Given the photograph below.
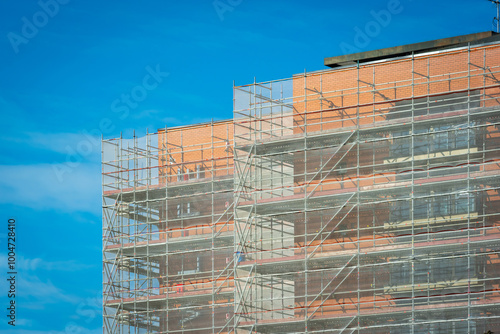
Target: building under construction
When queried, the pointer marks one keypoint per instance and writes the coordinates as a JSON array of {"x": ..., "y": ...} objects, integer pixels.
[{"x": 364, "y": 198}]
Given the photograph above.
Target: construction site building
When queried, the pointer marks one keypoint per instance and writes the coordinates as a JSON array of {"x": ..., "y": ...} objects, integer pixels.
[{"x": 364, "y": 198}]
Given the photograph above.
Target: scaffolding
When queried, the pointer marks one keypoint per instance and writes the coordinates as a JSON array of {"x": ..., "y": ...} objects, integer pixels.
[
  {"x": 364, "y": 199},
  {"x": 367, "y": 197},
  {"x": 168, "y": 231}
]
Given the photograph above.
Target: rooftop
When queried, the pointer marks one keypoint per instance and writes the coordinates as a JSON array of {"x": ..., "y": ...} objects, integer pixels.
[{"x": 404, "y": 50}]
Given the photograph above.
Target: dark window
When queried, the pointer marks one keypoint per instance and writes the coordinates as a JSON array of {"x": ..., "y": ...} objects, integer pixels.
[
  {"x": 429, "y": 105},
  {"x": 400, "y": 146},
  {"x": 434, "y": 206},
  {"x": 400, "y": 211},
  {"x": 421, "y": 208}
]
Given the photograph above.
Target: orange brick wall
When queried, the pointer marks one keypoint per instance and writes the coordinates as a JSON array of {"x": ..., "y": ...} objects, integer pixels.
[
  {"x": 341, "y": 103},
  {"x": 208, "y": 145}
]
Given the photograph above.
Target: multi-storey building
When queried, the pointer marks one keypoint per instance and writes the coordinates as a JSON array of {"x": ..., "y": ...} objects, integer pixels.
[{"x": 364, "y": 198}]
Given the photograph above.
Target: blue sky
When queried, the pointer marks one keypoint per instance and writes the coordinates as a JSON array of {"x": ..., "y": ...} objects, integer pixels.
[{"x": 64, "y": 82}]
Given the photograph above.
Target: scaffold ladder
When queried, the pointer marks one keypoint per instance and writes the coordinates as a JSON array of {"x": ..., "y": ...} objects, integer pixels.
[
  {"x": 320, "y": 294},
  {"x": 334, "y": 166},
  {"x": 334, "y": 228}
]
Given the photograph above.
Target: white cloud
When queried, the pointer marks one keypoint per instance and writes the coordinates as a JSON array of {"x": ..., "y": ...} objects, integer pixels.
[
  {"x": 24, "y": 322},
  {"x": 70, "y": 328},
  {"x": 147, "y": 113},
  {"x": 63, "y": 143},
  {"x": 24, "y": 331},
  {"x": 38, "y": 186},
  {"x": 26, "y": 264},
  {"x": 37, "y": 293},
  {"x": 12, "y": 113},
  {"x": 59, "y": 142}
]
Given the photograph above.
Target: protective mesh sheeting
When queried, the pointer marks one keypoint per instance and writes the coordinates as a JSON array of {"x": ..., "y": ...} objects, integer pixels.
[
  {"x": 368, "y": 198},
  {"x": 168, "y": 231},
  {"x": 357, "y": 200}
]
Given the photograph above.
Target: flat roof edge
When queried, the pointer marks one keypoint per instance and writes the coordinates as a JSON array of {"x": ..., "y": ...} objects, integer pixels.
[
  {"x": 195, "y": 125},
  {"x": 402, "y": 50}
]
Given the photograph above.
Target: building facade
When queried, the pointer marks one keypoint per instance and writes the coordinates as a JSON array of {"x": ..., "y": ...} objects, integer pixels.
[{"x": 358, "y": 199}]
